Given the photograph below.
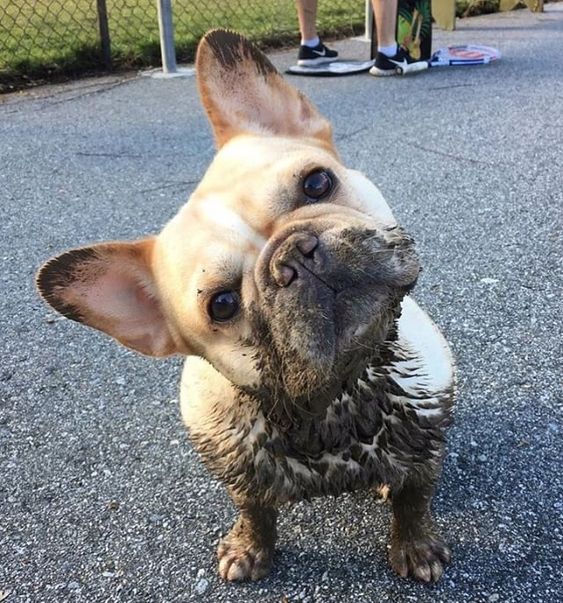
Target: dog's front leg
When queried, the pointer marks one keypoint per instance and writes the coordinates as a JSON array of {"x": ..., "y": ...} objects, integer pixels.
[
  {"x": 416, "y": 548},
  {"x": 247, "y": 551}
]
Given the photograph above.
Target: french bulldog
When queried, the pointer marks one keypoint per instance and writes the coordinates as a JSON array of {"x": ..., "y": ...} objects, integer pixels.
[{"x": 284, "y": 282}]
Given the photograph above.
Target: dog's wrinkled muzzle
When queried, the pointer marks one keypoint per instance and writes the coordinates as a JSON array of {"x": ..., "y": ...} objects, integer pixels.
[{"x": 325, "y": 285}]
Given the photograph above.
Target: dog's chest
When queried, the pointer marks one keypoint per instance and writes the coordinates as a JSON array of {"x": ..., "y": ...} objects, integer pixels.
[{"x": 373, "y": 434}]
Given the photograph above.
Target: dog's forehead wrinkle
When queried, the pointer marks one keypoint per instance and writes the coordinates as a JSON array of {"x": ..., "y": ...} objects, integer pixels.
[
  {"x": 227, "y": 223},
  {"x": 257, "y": 182}
]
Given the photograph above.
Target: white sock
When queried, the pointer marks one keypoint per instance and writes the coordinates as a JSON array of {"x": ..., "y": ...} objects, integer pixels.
[
  {"x": 311, "y": 43},
  {"x": 388, "y": 51}
]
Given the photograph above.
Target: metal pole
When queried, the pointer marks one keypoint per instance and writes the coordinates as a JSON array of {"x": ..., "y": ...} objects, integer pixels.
[
  {"x": 104, "y": 33},
  {"x": 368, "y": 21},
  {"x": 166, "y": 26}
]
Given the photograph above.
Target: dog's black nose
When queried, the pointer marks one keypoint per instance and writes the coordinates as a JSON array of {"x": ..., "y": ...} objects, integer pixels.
[{"x": 290, "y": 256}]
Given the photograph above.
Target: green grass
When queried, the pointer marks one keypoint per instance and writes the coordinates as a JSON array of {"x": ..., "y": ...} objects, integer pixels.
[{"x": 48, "y": 38}]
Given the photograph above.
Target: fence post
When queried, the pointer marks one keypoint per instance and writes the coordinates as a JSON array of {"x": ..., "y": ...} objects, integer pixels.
[
  {"x": 368, "y": 21},
  {"x": 166, "y": 27},
  {"x": 104, "y": 33}
]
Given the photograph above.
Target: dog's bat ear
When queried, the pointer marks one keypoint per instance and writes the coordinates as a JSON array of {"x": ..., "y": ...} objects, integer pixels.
[
  {"x": 243, "y": 93},
  {"x": 110, "y": 287}
]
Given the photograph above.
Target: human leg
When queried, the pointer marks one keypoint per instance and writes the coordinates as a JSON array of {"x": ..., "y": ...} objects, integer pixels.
[
  {"x": 385, "y": 13},
  {"x": 312, "y": 51},
  {"x": 307, "y": 15},
  {"x": 391, "y": 59}
]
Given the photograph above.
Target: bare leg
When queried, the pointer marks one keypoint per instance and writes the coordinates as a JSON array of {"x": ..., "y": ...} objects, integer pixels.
[
  {"x": 416, "y": 548},
  {"x": 385, "y": 13},
  {"x": 247, "y": 551},
  {"x": 307, "y": 15}
]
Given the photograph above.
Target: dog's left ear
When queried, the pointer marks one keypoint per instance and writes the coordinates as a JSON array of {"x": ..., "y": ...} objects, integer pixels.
[{"x": 243, "y": 93}]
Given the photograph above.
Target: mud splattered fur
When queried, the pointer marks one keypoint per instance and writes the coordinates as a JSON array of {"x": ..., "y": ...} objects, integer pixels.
[{"x": 372, "y": 433}]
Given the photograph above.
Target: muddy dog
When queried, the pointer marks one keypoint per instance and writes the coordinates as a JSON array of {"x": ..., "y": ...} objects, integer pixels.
[{"x": 284, "y": 281}]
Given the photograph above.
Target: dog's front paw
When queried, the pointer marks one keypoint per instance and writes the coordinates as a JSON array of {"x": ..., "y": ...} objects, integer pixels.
[
  {"x": 243, "y": 560},
  {"x": 422, "y": 556}
]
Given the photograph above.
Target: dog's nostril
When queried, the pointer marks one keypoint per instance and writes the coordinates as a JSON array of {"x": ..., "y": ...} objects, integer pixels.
[
  {"x": 285, "y": 275},
  {"x": 287, "y": 259},
  {"x": 307, "y": 245}
]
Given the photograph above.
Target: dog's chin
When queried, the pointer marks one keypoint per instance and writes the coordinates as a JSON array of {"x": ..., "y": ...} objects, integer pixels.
[
  {"x": 306, "y": 369},
  {"x": 313, "y": 382},
  {"x": 309, "y": 344}
]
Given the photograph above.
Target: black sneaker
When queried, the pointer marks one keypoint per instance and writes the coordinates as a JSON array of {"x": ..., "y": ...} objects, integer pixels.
[
  {"x": 402, "y": 63},
  {"x": 315, "y": 56}
]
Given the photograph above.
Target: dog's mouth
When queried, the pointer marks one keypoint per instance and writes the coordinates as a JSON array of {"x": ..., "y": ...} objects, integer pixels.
[
  {"x": 328, "y": 302},
  {"x": 335, "y": 288}
]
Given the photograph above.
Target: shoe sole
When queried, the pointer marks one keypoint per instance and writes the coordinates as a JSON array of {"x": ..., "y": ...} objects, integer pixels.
[
  {"x": 313, "y": 62},
  {"x": 382, "y": 72},
  {"x": 412, "y": 68}
]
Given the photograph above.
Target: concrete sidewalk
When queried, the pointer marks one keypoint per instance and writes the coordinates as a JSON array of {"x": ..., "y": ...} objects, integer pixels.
[{"x": 101, "y": 496}]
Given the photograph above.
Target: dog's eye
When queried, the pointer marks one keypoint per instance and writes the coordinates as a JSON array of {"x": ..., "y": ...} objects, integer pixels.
[
  {"x": 317, "y": 184},
  {"x": 223, "y": 306}
]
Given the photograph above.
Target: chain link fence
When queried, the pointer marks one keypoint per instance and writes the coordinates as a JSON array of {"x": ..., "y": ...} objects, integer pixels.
[{"x": 45, "y": 39}]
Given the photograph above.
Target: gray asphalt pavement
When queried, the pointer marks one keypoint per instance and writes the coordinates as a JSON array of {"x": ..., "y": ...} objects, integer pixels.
[{"x": 102, "y": 498}]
